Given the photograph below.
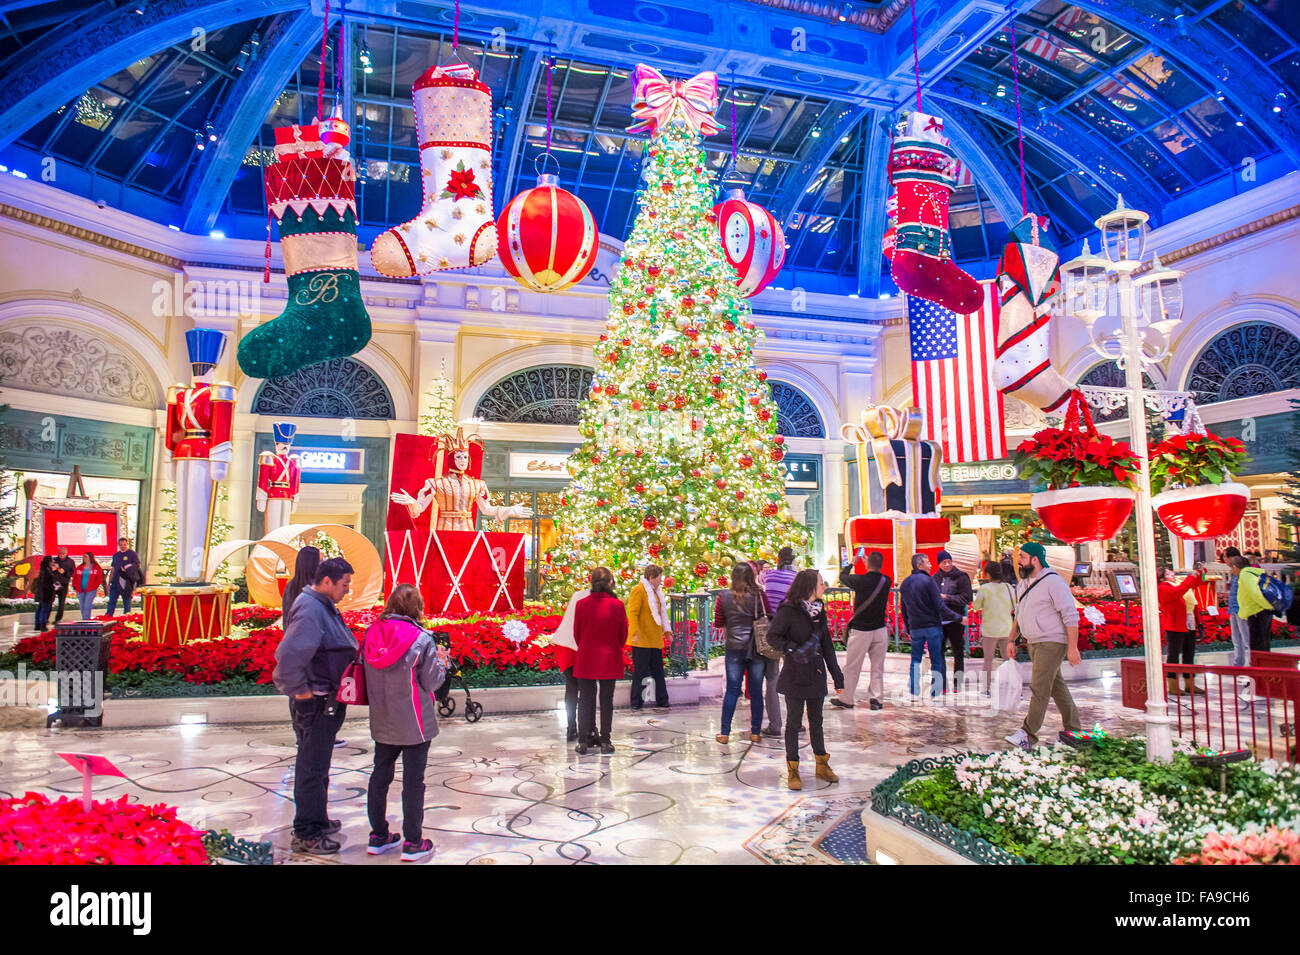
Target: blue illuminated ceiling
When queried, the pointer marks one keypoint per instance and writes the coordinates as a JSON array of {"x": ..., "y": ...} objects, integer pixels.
[{"x": 167, "y": 109}]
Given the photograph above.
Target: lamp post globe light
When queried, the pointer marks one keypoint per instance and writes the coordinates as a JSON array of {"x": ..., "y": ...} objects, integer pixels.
[{"x": 1149, "y": 306}]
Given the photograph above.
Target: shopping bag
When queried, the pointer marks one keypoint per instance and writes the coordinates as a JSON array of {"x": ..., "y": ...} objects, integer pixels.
[{"x": 1007, "y": 685}]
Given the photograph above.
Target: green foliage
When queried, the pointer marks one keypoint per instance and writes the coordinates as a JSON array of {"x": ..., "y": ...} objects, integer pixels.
[
  {"x": 1189, "y": 460},
  {"x": 221, "y": 529},
  {"x": 440, "y": 417}
]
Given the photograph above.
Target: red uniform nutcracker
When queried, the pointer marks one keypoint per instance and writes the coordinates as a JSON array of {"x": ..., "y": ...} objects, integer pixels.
[
  {"x": 198, "y": 449},
  {"x": 278, "y": 477}
]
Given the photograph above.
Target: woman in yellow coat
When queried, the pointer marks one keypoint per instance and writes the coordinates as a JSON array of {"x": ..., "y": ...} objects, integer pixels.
[{"x": 647, "y": 619}]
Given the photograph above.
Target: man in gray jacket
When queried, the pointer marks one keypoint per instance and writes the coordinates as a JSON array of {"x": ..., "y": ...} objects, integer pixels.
[
  {"x": 1048, "y": 619},
  {"x": 309, "y": 663}
]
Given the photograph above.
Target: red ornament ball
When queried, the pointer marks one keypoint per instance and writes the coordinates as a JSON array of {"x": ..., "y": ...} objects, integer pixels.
[
  {"x": 764, "y": 414},
  {"x": 722, "y": 484},
  {"x": 701, "y": 569},
  {"x": 613, "y": 518},
  {"x": 762, "y": 375},
  {"x": 779, "y": 439},
  {"x": 650, "y": 522},
  {"x": 777, "y": 454},
  {"x": 746, "y": 460},
  {"x": 548, "y": 237},
  {"x": 667, "y": 350},
  {"x": 740, "y": 495},
  {"x": 769, "y": 509}
]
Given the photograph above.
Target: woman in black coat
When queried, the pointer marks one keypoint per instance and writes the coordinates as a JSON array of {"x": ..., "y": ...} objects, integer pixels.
[{"x": 800, "y": 630}]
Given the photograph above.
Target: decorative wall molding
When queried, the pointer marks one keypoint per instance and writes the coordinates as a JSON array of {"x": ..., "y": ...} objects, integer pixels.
[
  {"x": 549, "y": 394},
  {"x": 89, "y": 235},
  {"x": 67, "y": 361},
  {"x": 338, "y": 388}
]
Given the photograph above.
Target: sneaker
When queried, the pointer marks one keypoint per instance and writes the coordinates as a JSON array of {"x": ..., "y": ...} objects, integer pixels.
[
  {"x": 332, "y": 826},
  {"x": 662, "y": 707},
  {"x": 321, "y": 845},
  {"x": 1019, "y": 738},
  {"x": 413, "y": 852},
  {"x": 877, "y": 705},
  {"x": 581, "y": 749},
  {"x": 340, "y": 742},
  {"x": 606, "y": 749},
  {"x": 836, "y": 701},
  {"x": 772, "y": 731},
  {"x": 377, "y": 845}
]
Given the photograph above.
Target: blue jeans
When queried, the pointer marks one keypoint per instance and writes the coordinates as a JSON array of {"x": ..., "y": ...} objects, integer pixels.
[
  {"x": 1240, "y": 656},
  {"x": 114, "y": 591},
  {"x": 86, "y": 600},
  {"x": 737, "y": 667},
  {"x": 930, "y": 638}
]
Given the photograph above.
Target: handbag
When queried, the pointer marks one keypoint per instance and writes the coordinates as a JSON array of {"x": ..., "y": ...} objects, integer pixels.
[
  {"x": 352, "y": 685},
  {"x": 764, "y": 646}
]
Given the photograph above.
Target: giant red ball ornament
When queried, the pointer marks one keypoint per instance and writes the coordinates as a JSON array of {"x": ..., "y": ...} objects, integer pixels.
[
  {"x": 752, "y": 242},
  {"x": 548, "y": 237}
]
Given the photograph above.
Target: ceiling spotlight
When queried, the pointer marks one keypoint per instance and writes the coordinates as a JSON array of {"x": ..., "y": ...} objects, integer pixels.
[
  {"x": 1002, "y": 89},
  {"x": 1241, "y": 122},
  {"x": 366, "y": 66},
  {"x": 211, "y": 132},
  {"x": 199, "y": 142},
  {"x": 816, "y": 132},
  {"x": 140, "y": 8},
  {"x": 1218, "y": 94},
  {"x": 216, "y": 234},
  {"x": 1179, "y": 18},
  {"x": 846, "y": 11},
  {"x": 844, "y": 139},
  {"x": 1279, "y": 101}
]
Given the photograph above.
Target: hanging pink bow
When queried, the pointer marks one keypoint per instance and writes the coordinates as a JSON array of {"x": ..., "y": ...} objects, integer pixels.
[{"x": 657, "y": 100}]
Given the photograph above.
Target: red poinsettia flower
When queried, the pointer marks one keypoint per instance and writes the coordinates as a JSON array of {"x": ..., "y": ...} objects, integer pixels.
[{"x": 461, "y": 184}]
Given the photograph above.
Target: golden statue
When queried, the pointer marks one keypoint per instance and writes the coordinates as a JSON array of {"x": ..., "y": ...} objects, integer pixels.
[{"x": 455, "y": 495}]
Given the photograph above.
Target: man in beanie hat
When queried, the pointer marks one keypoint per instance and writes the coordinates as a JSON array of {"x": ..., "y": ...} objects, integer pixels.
[
  {"x": 1049, "y": 620},
  {"x": 955, "y": 591}
]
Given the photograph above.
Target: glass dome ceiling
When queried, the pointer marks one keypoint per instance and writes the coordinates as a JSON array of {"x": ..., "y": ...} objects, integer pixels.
[{"x": 167, "y": 110}]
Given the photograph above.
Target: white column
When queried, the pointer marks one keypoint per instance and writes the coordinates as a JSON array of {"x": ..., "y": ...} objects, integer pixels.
[
  {"x": 835, "y": 500},
  {"x": 239, "y": 484}
]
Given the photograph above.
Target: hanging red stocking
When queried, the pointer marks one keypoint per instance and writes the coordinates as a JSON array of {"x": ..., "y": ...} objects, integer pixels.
[
  {"x": 455, "y": 227},
  {"x": 921, "y": 167}
]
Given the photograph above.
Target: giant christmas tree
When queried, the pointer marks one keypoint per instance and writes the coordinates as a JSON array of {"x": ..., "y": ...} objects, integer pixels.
[{"x": 680, "y": 460}]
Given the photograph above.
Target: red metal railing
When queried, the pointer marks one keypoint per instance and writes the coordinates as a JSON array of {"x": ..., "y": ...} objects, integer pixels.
[{"x": 1250, "y": 707}]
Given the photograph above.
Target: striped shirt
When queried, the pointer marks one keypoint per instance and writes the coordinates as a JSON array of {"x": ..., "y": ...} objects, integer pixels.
[{"x": 776, "y": 584}]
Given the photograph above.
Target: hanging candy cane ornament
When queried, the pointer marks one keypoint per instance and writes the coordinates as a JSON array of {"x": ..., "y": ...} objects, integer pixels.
[
  {"x": 657, "y": 101},
  {"x": 752, "y": 241},
  {"x": 1029, "y": 276}
]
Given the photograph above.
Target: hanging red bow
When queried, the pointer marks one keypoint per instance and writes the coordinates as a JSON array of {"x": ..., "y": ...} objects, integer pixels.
[
  {"x": 935, "y": 124},
  {"x": 657, "y": 100}
]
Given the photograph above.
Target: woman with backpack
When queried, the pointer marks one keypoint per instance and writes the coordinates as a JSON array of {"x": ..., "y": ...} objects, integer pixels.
[
  {"x": 995, "y": 601},
  {"x": 404, "y": 669},
  {"x": 735, "y": 612},
  {"x": 1252, "y": 604},
  {"x": 800, "y": 630}
]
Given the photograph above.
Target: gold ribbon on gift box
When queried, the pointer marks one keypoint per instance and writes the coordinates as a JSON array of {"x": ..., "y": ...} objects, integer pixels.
[{"x": 881, "y": 425}]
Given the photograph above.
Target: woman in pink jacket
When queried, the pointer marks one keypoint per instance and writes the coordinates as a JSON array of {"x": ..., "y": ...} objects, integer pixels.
[
  {"x": 600, "y": 631},
  {"x": 404, "y": 668}
]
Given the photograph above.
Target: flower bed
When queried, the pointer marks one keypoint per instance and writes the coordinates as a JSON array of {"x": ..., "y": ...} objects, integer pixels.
[
  {"x": 1099, "y": 805},
  {"x": 242, "y": 663},
  {"x": 35, "y": 830}
]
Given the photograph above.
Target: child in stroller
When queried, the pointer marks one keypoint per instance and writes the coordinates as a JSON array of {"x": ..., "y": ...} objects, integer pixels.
[{"x": 446, "y": 702}]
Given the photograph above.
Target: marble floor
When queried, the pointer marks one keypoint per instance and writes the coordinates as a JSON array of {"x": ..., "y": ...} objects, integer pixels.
[{"x": 508, "y": 790}]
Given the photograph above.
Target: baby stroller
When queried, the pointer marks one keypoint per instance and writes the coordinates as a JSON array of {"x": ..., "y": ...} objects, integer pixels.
[{"x": 446, "y": 702}]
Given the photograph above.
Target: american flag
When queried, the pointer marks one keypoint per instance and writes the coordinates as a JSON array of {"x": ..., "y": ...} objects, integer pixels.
[{"x": 952, "y": 377}]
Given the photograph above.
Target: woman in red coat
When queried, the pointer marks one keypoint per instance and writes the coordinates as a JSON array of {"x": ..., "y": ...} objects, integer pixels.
[
  {"x": 599, "y": 630},
  {"x": 87, "y": 581},
  {"x": 1178, "y": 621}
]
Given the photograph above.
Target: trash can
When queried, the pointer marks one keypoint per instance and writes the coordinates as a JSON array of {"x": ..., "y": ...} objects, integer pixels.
[{"x": 80, "y": 664}]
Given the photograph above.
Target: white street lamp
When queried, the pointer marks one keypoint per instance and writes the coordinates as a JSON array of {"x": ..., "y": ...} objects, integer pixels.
[{"x": 1149, "y": 307}]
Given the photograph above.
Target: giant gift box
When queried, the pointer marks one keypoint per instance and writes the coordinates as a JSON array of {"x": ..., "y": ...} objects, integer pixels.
[
  {"x": 456, "y": 571},
  {"x": 898, "y": 484}
]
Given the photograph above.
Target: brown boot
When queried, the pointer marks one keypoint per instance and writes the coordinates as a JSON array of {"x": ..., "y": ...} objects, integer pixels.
[
  {"x": 1172, "y": 686},
  {"x": 792, "y": 774},
  {"x": 824, "y": 769},
  {"x": 1190, "y": 684}
]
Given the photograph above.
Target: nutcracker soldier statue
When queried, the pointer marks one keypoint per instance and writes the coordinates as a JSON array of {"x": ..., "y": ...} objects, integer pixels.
[
  {"x": 198, "y": 445},
  {"x": 278, "y": 477},
  {"x": 455, "y": 495}
]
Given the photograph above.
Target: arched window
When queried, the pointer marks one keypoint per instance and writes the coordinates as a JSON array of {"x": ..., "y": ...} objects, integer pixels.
[
  {"x": 547, "y": 394},
  {"x": 1250, "y": 359},
  {"x": 796, "y": 415},
  {"x": 338, "y": 388},
  {"x": 1108, "y": 375}
]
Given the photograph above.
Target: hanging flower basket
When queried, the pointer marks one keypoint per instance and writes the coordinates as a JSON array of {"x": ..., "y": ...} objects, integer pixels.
[
  {"x": 1190, "y": 477},
  {"x": 1202, "y": 512},
  {"x": 1091, "y": 478},
  {"x": 1077, "y": 515}
]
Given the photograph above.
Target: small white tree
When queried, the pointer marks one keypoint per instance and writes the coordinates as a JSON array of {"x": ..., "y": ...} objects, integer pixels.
[
  {"x": 440, "y": 418},
  {"x": 221, "y": 529}
]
